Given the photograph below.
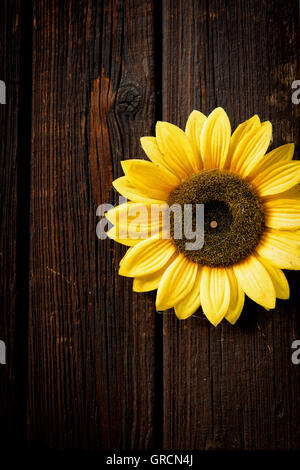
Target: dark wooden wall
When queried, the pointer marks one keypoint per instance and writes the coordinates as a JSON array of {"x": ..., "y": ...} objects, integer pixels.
[{"x": 90, "y": 365}]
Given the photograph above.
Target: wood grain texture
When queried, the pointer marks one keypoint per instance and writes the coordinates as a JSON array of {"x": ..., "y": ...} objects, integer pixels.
[
  {"x": 104, "y": 370},
  {"x": 91, "y": 354},
  {"x": 232, "y": 387}
]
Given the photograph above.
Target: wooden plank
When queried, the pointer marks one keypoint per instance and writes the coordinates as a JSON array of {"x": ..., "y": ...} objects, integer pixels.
[
  {"x": 232, "y": 387},
  {"x": 91, "y": 356},
  {"x": 14, "y": 156}
]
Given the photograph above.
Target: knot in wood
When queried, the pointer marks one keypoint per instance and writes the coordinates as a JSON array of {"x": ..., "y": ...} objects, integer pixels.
[{"x": 129, "y": 99}]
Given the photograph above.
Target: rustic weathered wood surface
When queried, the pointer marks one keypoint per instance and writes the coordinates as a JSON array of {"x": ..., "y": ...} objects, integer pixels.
[{"x": 90, "y": 364}]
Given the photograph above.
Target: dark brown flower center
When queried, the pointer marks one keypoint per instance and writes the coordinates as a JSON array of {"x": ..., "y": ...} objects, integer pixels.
[{"x": 233, "y": 217}]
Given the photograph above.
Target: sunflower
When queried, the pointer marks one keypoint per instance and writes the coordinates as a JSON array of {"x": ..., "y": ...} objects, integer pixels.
[{"x": 251, "y": 216}]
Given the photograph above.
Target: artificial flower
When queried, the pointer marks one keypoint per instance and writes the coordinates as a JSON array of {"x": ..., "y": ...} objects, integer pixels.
[{"x": 251, "y": 216}]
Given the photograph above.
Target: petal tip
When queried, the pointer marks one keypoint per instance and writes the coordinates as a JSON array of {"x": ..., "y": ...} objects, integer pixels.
[
  {"x": 232, "y": 322},
  {"x": 116, "y": 182}
]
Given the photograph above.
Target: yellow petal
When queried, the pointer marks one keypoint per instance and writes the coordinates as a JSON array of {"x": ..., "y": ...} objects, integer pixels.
[
  {"x": 215, "y": 140},
  {"x": 281, "y": 248},
  {"x": 176, "y": 282},
  {"x": 136, "y": 220},
  {"x": 151, "y": 281},
  {"x": 279, "y": 280},
  {"x": 124, "y": 187},
  {"x": 191, "y": 302},
  {"x": 293, "y": 193},
  {"x": 282, "y": 213},
  {"x": 237, "y": 298},
  {"x": 214, "y": 293},
  {"x": 154, "y": 181},
  {"x": 255, "y": 281},
  {"x": 146, "y": 257},
  {"x": 114, "y": 235},
  {"x": 251, "y": 149},
  {"x": 123, "y": 213},
  {"x": 193, "y": 130},
  {"x": 150, "y": 147},
  {"x": 277, "y": 178},
  {"x": 283, "y": 154},
  {"x": 177, "y": 149},
  {"x": 241, "y": 131}
]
